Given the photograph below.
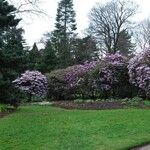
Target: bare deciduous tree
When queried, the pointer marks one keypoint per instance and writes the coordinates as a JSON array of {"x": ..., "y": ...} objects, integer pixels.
[
  {"x": 142, "y": 34},
  {"x": 109, "y": 20},
  {"x": 27, "y": 7}
]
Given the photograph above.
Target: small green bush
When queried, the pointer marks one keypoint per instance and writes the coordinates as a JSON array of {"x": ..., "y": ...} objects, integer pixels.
[
  {"x": 57, "y": 86},
  {"x": 135, "y": 101},
  {"x": 3, "y": 108},
  {"x": 89, "y": 101},
  {"x": 78, "y": 100},
  {"x": 146, "y": 103}
]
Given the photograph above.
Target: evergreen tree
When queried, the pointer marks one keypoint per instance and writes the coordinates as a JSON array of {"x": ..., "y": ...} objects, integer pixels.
[
  {"x": 65, "y": 31},
  {"x": 13, "y": 62},
  {"x": 125, "y": 45},
  {"x": 85, "y": 49},
  {"x": 12, "y": 54},
  {"x": 7, "y": 19},
  {"x": 49, "y": 59},
  {"x": 34, "y": 58}
]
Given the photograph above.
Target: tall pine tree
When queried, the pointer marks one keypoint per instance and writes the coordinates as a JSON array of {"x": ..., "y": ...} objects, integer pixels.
[
  {"x": 7, "y": 19},
  {"x": 125, "y": 45},
  {"x": 65, "y": 31},
  {"x": 34, "y": 58},
  {"x": 85, "y": 49},
  {"x": 49, "y": 59},
  {"x": 12, "y": 54}
]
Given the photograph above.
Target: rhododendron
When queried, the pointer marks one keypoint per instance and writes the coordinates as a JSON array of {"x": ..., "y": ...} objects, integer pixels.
[
  {"x": 105, "y": 87},
  {"x": 73, "y": 77},
  {"x": 139, "y": 71},
  {"x": 110, "y": 75},
  {"x": 32, "y": 82},
  {"x": 115, "y": 59},
  {"x": 102, "y": 76}
]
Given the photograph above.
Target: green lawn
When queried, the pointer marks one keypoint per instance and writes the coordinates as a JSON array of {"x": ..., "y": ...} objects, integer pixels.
[{"x": 49, "y": 128}]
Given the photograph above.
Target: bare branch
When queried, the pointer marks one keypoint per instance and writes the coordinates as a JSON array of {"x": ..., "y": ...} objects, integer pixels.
[
  {"x": 107, "y": 21},
  {"x": 28, "y": 7},
  {"x": 142, "y": 34}
]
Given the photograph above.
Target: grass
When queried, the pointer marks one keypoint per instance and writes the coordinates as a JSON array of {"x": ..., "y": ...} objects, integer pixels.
[
  {"x": 147, "y": 103},
  {"x": 50, "y": 128}
]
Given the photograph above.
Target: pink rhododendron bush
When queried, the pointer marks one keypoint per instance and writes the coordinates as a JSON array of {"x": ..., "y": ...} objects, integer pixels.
[
  {"x": 139, "y": 72},
  {"x": 111, "y": 78},
  {"x": 33, "y": 83},
  {"x": 79, "y": 80},
  {"x": 95, "y": 79}
]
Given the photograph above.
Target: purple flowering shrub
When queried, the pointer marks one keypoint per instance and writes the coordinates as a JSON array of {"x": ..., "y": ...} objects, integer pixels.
[
  {"x": 99, "y": 77},
  {"x": 139, "y": 71},
  {"x": 77, "y": 72},
  {"x": 32, "y": 82},
  {"x": 96, "y": 79},
  {"x": 78, "y": 78},
  {"x": 115, "y": 59},
  {"x": 111, "y": 76}
]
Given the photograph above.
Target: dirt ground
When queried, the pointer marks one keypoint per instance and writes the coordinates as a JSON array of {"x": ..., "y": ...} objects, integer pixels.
[{"x": 89, "y": 105}]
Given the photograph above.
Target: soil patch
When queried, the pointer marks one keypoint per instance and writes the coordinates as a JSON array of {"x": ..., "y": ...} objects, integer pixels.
[
  {"x": 9, "y": 111},
  {"x": 3, "y": 114},
  {"x": 89, "y": 105}
]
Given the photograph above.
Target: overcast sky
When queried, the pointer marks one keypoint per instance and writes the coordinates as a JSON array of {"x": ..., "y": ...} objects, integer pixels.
[{"x": 37, "y": 26}]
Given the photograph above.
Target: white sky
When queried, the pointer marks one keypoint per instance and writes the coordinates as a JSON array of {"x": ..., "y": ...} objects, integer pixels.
[{"x": 36, "y": 27}]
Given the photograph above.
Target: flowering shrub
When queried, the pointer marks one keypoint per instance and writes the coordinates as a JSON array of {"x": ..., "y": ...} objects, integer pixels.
[
  {"x": 99, "y": 77},
  {"x": 74, "y": 76},
  {"x": 32, "y": 82},
  {"x": 78, "y": 79},
  {"x": 115, "y": 59},
  {"x": 139, "y": 71},
  {"x": 111, "y": 77},
  {"x": 113, "y": 72},
  {"x": 104, "y": 78}
]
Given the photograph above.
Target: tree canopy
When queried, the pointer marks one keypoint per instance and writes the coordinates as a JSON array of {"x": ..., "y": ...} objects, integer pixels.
[{"x": 109, "y": 21}]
